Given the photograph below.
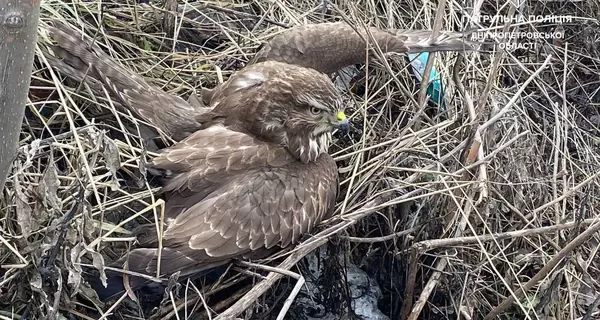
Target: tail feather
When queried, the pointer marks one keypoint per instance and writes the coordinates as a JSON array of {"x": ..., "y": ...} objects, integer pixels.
[
  {"x": 144, "y": 261},
  {"x": 421, "y": 40}
]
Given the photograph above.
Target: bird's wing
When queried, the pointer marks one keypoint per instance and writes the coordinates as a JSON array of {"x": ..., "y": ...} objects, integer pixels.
[
  {"x": 328, "y": 47},
  {"x": 210, "y": 156},
  {"x": 263, "y": 199},
  {"x": 82, "y": 59}
]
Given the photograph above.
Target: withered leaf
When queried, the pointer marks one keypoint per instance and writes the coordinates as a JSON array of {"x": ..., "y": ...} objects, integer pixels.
[
  {"x": 111, "y": 155},
  {"x": 98, "y": 262},
  {"x": 25, "y": 217},
  {"x": 49, "y": 187},
  {"x": 52, "y": 312},
  {"x": 75, "y": 271},
  {"x": 585, "y": 290}
]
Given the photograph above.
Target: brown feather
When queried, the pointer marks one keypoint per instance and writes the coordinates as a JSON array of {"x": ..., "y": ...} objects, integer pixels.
[
  {"x": 231, "y": 221},
  {"x": 328, "y": 47},
  {"x": 169, "y": 113}
]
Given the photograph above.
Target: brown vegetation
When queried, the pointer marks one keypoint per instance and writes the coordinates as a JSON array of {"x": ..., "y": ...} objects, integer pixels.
[{"x": 489, "y": 208}]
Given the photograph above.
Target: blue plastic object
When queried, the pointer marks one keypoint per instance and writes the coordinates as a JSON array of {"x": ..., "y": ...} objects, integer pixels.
[{"x": 435, "y": 89}]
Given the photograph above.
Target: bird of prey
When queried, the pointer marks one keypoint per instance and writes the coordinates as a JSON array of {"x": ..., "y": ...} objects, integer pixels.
[
  {"x": 251, "y": 173},
  {"x": 255, "y": 178}
]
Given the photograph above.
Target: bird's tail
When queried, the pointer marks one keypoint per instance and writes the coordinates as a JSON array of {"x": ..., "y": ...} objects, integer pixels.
[
  {"x": 422, "y": 40},
  {"x": 78, "y": 57},
  {"x": 143, "y": 261},
  {"x": 329, "y": 47}
]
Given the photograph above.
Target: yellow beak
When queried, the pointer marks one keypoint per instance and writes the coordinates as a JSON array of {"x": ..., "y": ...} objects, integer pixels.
[{"x": 343, "y": 123}]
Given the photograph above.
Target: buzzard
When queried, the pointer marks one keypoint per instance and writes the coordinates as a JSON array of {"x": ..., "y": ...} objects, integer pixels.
[
  {"x": 254, "y": 179},
  {"x": 251, "y": 173}
]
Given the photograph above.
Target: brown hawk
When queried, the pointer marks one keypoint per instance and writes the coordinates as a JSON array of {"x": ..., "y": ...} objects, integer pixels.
[{"x": 252, "y": 173}]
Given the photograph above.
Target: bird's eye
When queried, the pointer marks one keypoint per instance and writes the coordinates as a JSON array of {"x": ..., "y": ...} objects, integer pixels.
[{"x": 315, "y": 110}]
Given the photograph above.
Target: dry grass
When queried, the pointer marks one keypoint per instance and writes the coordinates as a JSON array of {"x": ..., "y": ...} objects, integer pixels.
[{"x": 521, "y": 212}]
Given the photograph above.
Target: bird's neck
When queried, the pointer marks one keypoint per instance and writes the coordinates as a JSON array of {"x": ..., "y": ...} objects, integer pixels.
[{"x": 308, "y": 149}]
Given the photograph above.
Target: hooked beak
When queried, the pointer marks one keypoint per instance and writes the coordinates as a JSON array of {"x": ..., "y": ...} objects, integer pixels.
[{"x": 342, "y": 123}]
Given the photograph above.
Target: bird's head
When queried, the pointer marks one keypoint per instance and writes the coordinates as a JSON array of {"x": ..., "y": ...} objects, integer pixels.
[{"x": 281, "y": 103}]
